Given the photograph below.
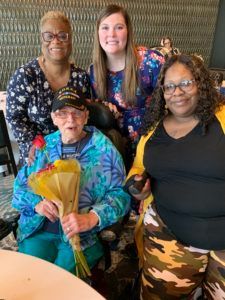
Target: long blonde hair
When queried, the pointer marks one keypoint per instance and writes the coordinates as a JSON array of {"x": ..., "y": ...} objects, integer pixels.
[{"x": 130, "y": 81}]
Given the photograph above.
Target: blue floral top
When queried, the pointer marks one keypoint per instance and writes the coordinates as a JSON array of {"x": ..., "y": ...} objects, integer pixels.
[
  {"x": 149, "y": 68},
  {"x": 29, "y": 100},
  {"x": 101, "y": 185}
]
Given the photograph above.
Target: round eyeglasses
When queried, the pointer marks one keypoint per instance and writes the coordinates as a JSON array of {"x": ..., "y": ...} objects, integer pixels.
[
  {"x": 61, "y": 36},
  {"x": 184, "y": 85}
]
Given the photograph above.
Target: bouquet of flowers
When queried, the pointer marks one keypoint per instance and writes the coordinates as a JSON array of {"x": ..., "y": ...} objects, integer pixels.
[{"x": 59, "y": 182}]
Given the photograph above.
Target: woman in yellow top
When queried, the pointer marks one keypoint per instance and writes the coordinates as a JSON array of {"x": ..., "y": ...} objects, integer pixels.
[{"x": 183, "y": 151}]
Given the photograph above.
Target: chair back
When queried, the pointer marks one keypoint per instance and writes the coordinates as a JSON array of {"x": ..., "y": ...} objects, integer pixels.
[
  {"x": 6, "y": 158},
  {"x": 102, "y": 118}
]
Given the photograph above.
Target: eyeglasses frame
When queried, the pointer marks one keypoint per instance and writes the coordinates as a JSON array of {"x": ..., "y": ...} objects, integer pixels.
[
  {"x": 67, "y": 113},
  {"x": 178, "y": 85},
  {"x": 55, "y": 36}
]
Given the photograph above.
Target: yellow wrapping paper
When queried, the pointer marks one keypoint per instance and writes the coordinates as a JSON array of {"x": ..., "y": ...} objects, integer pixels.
[{"x": 60, "y": 182}]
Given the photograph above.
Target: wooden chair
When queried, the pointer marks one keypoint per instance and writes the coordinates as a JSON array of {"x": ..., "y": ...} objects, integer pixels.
[{"x": 7, "y": 157}]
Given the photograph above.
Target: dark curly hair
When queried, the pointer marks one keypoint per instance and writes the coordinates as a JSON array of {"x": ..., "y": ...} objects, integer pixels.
[{"x": 209, "y": 99}]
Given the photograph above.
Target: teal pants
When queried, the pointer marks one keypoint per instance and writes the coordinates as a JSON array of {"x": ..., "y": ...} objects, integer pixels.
[{"x": 51, "y": 247}]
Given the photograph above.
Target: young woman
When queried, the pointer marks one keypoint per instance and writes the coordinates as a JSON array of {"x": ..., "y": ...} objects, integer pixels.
[{"x": 123, "y": 76}]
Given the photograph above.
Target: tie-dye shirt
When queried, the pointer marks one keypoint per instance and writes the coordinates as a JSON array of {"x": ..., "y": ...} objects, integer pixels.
[
  {"x": 149, "y": 68},
  {"x": 101, "y": 185}
]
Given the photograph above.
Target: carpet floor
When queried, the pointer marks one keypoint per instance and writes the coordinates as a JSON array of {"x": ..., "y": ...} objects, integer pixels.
[{"x": 6, "y": 211}]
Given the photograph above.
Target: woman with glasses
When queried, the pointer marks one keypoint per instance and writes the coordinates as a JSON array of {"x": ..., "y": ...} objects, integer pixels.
[
  {"x": 183, "y": 151},
  {"x": 31, "y": 89},
  {"x": 167, "y": 44}
]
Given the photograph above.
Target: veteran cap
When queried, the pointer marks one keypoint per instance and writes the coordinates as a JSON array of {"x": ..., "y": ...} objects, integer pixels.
[{"x": 69, "y": 96}]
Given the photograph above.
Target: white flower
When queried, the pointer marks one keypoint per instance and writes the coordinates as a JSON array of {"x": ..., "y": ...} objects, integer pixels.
[
  {"x": 29, "y": 88},
  {"x": 46, "y": 85},
  {"x": 34, "y": 109},
  {"x": 21, "y": 99}
]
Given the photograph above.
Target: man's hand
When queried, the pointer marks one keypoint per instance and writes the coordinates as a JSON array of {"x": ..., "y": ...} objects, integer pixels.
[
  {"x": 113, "y": 109},
  {"x": 48, "y": 209},
  {"x": 75, "y": 223}
]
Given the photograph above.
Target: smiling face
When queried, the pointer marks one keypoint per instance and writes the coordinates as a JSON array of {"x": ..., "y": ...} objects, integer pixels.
[
  {"x": 112, "y": 34},
  {"x": 70, "y": 122},
  {"x": 181, "y": 104},
  {"x": 56, "y": 50}
]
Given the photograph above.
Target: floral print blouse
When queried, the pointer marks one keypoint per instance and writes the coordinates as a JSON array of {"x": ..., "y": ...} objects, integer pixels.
[
  {"x": 149, "y": 68},
  {"x": 29, "y": 100}
]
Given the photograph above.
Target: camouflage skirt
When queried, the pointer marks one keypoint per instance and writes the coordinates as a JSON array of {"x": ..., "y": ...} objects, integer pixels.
[{"x": 172, "y": 270}]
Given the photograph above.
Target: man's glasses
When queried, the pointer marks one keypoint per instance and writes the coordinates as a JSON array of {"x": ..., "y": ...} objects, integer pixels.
[
  {"x": 61, "y": 36},
  {"x": 184, "y": 85},
  {"x": 64, "y": 114}
]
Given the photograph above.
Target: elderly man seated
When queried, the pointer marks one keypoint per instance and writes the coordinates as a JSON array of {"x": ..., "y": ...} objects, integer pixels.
[{"x": 102, "y": 200}]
